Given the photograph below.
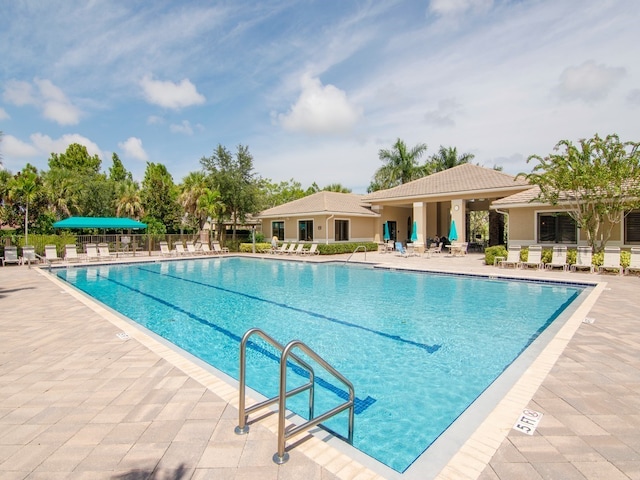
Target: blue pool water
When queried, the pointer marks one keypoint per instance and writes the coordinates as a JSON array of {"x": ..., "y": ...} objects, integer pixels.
[{"x": 419, "y": 348}]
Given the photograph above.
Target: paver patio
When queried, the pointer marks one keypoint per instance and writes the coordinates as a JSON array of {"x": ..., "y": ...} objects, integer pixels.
[{"x": 77, "y": 401}]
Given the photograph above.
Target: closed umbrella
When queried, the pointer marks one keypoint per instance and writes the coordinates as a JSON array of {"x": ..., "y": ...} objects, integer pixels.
[
  {"x": 453, "y": 233},
  {"x": 414, "y": 232},
  {"x": 386, "y": 236}
]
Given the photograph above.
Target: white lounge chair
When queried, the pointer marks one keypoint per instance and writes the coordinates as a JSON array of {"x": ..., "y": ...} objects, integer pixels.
[
  {"x": 206, "y": 249},
  {"x": 103, "y": 252},
  {"x": 513, "y": 257},
  {"x": 71, "y": 253},
  {"x": 11, "y": 255},
  {"x": 92, "y": 251},
  {"x": 534, "y": 258},
  {"x": 611, "y": 260},
  {"x": 313, "y": 250},
  {"x": 218, "y": 249},
  {"x": 584, "y": 259},
  {"x": 558, "y": 258},
  {"x": 282, "y": 250},
  {"x": 29, "y": 255},
  {"x": 164, "y": 249},
  {"x": 191, "y": 249},
  {"x": 634, "y": 264},
  {"x": 299, "y": 249},
  {"x": 179, "y": 249},
  {"x": 51, "y": 254},
  {"x": 291, "y": 249}
]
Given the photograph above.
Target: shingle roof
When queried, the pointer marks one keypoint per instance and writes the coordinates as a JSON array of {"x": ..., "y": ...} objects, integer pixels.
[
  {"x": 520, "y": 198},
  {"x": 322, "y": 203},
  {"x": 460, "y": 179}
]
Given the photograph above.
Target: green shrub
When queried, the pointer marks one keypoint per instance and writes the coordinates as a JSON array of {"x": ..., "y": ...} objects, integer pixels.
[
  {"x": 490, "y": 253},
  {"x": 248, "y": 247}
]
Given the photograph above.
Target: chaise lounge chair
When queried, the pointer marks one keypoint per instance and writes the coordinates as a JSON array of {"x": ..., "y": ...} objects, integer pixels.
[
  {"x": 51, "y": 254},
  {"x": 634, "y": 264},
  {"x": 513, "y": 257},
  {"x": 103, "y": 252},
  {"x": 10, "y": 255},
  {"x": 219, "y": 250},
  {"x": 313, "y": 250},
  {"x": 282, "y": 250},
  {"x": 29, "y": 255},
  {"x": 291, "y": 249},
  {"x": 164, "y": 249},
  {"x": 71, "y": 253},
  {"x": 401, "y": 250},
  {"x": 92, "y": 251},
  {"x": 299, "y": 248},
  {"x": 611, "y": 260},
  {"x": 583, "y": 260},
  {"x": 534, "y": 258},
  {"x": 558, "y": 258}
]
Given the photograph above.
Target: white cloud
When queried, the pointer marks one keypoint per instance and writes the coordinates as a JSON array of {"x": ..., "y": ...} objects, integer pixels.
[
  {"x": 171, "y": 95},
  {"x": 320, "y": 110},
  {"x": 457, "y": 7},
  {"x": 184, "y": 127},
  {"x": 3, "y": 114},
  {"x": 132, "y": 148},
  {"x": 588, "y": 82},
  {"x": 443, "y": 115},
  {"x": 14, "y": 147},
  {"x": 47, "y": 145},
  {"x": 43, "y": 145},
  {"x": 154, "y": 120},
  {"x": 50, "y": 99}
]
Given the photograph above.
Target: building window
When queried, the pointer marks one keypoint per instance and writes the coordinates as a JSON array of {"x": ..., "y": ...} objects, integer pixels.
[
  {"x": 632, "y": 227},
  {"x": 305, "y": 231},
  {"x": 342, "y": 230},
  {"x": 556, "y": 228},
  {"x": 277, "y": 230}
]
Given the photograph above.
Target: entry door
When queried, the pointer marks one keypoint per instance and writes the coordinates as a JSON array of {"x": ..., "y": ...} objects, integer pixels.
[{"x": 393, "y": 229}]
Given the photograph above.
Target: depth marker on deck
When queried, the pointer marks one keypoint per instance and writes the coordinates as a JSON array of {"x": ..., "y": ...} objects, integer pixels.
[{"x": 528, "y": 421}]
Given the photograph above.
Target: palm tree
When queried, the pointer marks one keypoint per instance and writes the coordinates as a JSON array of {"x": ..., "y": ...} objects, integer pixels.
[
  {"x": 336, "y": 187},
  {"x": 128, "y": 202},
  {"x": 25, "y": 188},
  {"x": 192, "y": 188},
  {"x": 400, "y": 166},
  {"x": 448, "y": 158},
  {"x": 210, "y": 205}
]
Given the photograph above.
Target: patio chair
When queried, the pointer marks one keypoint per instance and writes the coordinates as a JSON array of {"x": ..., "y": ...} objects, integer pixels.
[
  {"x": 611, "y": 260},
  {"x": 583, "y": 260},
  {"x": 218, "y": 249},
  {"x": 558, "y": 258},
  {"x": 71, "y": 253},
  {"x": 179, "y": 249},
  {"x": 634, "y": 264},
  {"x": 534, "y": 258},
  {"x": 164, "y": 249},
  {"x": 11, "y": 255},
  {"x": 282, "y": 250},
  {"x": 313, "y": 250},
  {"x": 435, "y": 249},
  {"x": 401, "y": 250},
  {"x": 191, "y": 249},
  {"x": 29, "y": 255},
  {"x": 92, "y": 251},
  {"x": 513, "y": 257},
  {"x": 206, "y": 250},
  {"x": 103, "y": 252},
  {"x": 51, "y": 254}
]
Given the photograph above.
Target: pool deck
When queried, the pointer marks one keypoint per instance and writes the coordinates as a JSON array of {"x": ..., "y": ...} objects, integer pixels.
[{"x": 79, "y": 401}]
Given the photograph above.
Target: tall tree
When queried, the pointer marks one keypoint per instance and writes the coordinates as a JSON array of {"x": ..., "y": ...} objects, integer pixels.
[
  {"x": 192, "y": 188},
  {"x": 598, "y": 181},
  {"x": 25, "y": 188},
  {"x": 117, "y": 172},
  {"x": 128, "y": 201},
  {"x": 336, "y": 187},
  {"x": 447, "y": 158},
  {"x": 233, "y": 177},
  {"x": 76, "y": 158},
  {"x": 401, "y": 165},
  {"x": 159, "y": 196}
]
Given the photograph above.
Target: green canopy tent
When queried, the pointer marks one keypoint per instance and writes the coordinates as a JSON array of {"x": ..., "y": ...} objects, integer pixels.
[{"x": 103, "y": 223}]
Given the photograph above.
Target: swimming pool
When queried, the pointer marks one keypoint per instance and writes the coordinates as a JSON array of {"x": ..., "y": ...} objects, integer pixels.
[{"x": 419, "y": 348}]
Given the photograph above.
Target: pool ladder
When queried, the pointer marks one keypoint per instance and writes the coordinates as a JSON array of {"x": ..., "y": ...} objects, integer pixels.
[
  {"x": 354, "y": 252},
  {"x": 281, "y": 456}
]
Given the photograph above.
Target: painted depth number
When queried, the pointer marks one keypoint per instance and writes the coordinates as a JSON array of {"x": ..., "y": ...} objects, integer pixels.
[{"x": 528, "y": 421}]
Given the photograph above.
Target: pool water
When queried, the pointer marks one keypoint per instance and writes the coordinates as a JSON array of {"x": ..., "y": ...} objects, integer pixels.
[{"x": 419, "y": 348}]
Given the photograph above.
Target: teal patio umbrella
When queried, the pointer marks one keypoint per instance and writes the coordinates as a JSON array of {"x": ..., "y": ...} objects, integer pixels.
[
  {"x": 453, "y": 233},
  {"x": 386, "y": 237},
  {"x": 414, "y": 232}
]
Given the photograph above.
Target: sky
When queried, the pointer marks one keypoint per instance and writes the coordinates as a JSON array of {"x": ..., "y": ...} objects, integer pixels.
[{"x": 314, "y": 88}]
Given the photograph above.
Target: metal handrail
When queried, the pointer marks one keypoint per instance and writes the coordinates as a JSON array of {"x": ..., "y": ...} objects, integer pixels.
[
  {"x": 281, "y": 456},
  {"x": 243, "y": 410},
  {"x": 354, "y": 252}
]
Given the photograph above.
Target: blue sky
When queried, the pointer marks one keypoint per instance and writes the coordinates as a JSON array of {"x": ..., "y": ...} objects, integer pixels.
[{"x": 314, "y": 88}]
